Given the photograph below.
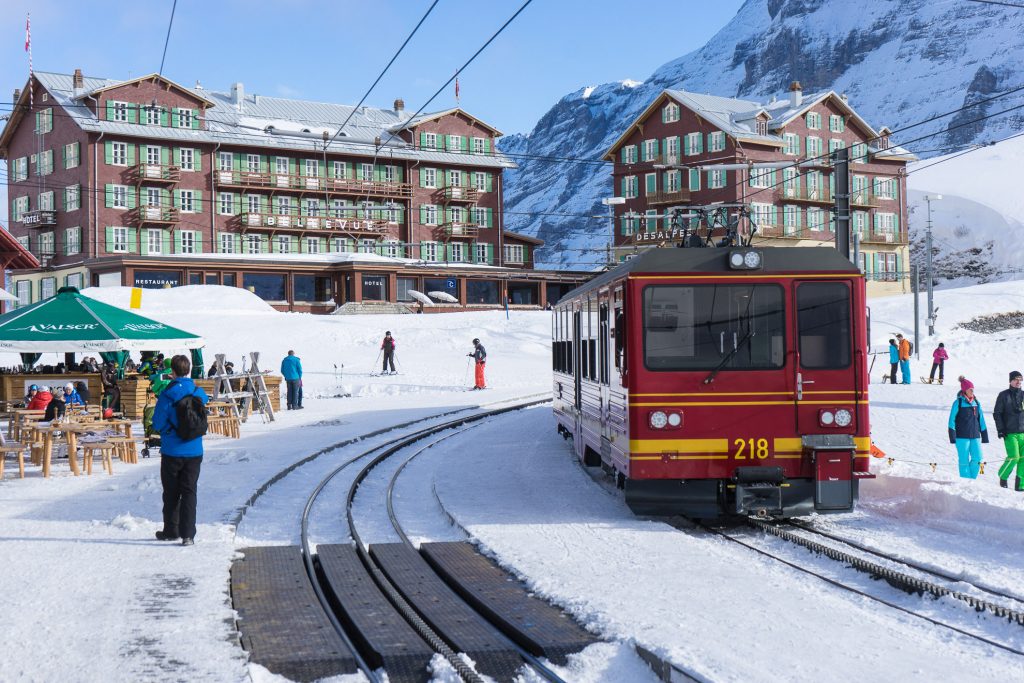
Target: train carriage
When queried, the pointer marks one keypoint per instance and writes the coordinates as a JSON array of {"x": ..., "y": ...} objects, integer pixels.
[{"x": 712, "y": 382}]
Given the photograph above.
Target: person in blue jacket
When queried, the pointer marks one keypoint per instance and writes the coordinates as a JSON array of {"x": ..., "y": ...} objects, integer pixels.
[
  {"x": 967, "y": 429},
  {"x": 71, "y": 396},
  {"x": 180, "y": 461},
  {"x": 291, "y": 369},
  {"x": 894, "y": 360}
]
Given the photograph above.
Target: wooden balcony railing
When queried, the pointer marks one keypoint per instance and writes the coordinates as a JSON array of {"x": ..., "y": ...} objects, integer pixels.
[
  {"x": 280, "y": 181},
  {"x": 275, "y": 221},
  {"x": 154, "y": 214},
  {"x": 670, "y": 197},
  {"x": 39, "y": 218},
  {"x": 156, "y": 173},
  {"x": 459, "y": 194},
  {"x": 448, "y": 231}
]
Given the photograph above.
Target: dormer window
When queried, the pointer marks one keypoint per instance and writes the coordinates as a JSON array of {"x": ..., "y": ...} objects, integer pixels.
[
  {"x": 119, "y": 111},
  {"x": 670, "y": 113},
  {"x": 762, "y": 127},
  {"x": 152, "y": 116},
  {"x": 883, "y": 142}
]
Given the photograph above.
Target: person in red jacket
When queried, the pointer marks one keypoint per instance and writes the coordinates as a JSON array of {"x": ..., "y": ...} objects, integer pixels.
[
  {"x": 939, "y": 357},
  {"x": 388, "y": 346},
  {"x": 40, "y": 400}
]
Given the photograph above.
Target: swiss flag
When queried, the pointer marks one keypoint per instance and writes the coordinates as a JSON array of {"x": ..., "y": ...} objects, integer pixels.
[{"x": 28, "y": 32}]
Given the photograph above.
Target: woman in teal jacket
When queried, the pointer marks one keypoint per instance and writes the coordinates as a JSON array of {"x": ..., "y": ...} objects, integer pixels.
[
  {"x": 967, "y": 429},
  {"x": 894, "y": 360}
]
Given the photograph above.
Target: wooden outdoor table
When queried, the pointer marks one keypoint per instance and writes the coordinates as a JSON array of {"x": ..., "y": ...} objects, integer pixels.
[
  {"x": 47, "y": 432},
  {"x": 14, "y": 426},
  {"x": 71, "y": 432},
  {"x": 118, "y": 424}
]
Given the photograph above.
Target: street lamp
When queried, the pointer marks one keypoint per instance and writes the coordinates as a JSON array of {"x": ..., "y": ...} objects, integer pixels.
[
  {"x": 929, "y": 198},
  {"x": 611, "y": 203}
]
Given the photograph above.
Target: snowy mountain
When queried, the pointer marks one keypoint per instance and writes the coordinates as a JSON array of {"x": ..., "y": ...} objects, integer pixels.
[{"x": 899, "y": 61}]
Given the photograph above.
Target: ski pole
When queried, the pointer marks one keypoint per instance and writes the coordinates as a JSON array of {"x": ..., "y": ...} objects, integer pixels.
[{"x": 397, "y": 361}]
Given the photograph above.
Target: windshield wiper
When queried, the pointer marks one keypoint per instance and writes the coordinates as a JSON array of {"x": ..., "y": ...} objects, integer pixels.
[{"x": 728, "y": 357}]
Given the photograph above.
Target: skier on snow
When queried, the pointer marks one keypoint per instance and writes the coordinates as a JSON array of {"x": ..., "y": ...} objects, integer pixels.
[
  {"x": 388, "y": 346},
  {"x": 939, "y": 358},
  {"x": 905, "y": 349},
  {"x": 480, "y": 354},
  {"x": 967, "y": 429},
  {"x": 1009, "y": 416}
]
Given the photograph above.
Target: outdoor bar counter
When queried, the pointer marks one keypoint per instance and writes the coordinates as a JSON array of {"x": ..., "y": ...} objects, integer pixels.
[{"x": 133, "y": 388}]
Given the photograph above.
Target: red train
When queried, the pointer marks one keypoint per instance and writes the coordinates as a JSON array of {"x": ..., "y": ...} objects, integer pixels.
[{"x": 712, "y": 382}]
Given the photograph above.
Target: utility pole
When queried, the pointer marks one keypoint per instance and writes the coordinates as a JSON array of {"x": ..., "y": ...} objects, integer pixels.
[
  {"x": 611, "y": 203},
  {"x": 916, "y": 287},
  {"x": 841, "y": 206},
  {"x": 928, "y": 262}
]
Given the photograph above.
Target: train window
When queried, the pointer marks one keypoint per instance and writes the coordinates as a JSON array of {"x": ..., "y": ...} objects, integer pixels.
[
  {"x": 823, "y": 318},
  {"x": 703, "y": 327}
]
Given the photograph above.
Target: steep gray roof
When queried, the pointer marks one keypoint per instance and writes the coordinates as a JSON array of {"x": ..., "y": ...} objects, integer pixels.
[{"x": 297, "y": 124}]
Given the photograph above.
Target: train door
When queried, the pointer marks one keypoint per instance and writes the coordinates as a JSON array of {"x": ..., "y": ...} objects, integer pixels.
[
  {"x": 577, "y": 365},
  {"x": 825, "y": 368}
]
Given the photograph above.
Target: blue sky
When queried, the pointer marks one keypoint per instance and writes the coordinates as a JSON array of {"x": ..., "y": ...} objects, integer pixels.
[{"x": 332, "y": 51}]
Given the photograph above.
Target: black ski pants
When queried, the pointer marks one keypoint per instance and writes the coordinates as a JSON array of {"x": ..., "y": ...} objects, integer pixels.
[
  {"x": 893, "y": 369},
  {"x": 389, "y": 357},
  {"x": 936, "y": 366},
  {"x": 180, "y": 477}
]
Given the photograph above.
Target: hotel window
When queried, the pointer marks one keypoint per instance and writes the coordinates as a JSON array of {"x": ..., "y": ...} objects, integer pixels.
[
  {"x": 367, "y": 171},
  {"x": 336, "y": 245},
  {"x": 367, "y": 246},
  {"x": 284, "y": 244},
  {"x": 281, "y": 166},
  {"x": 429, "y": 251},
  {"x": 312, "y": 207},
  {"x": 119, "y": 153},
  {"x": 760, "y": 177},
  {"x": 46, "y": 244},
  {"x": 21, "y": 169},
  {"x": 253, "y": 244},
  {"x": 24, "y": 292},
  {"x": 21, "y": 206},
  {"x": 716, "y": 141},
  {"x": 429, "y": 140},
  {"x": 629, "y": 223},
  {"x": 252, "y": 163},
  {"x": 227, "y": 243},
  {"x": 119, "y": 240},
  {"x": 188, "y": 159},
  {"x": 188, "y": 242},
  {"x": 455, "y": 214},
  {"x": 481, "y": 252},
  {"x": 72, "y": 198},
  {"x": 253, "y": 203},
  {"x": 454, "y": 143},
  {"x": 834, "y": 144},
  {"x": 312, "y": 245},
  {"x": 651, "y": 220},
  {"x": 187, "y": 200},
  {"x": 860, "y": 222},
  {"x": 694, "y": 144},
  {"x": 454, "y": 178},
  {"x": 480, "y": 181},
  {"x": 480, "y": 216},
  {"x": 885, "y": 188},
  {"x": 859, "y": 153},
  {"x": 885, "y": 223},
  {"x": 792, "y": 143},
  {"x": 513, "y": 253},
  {"x": 717, "y": 179},
  {"x": 152, "y": 116},
  {"x": 790, "y": 183},
  {"x": 815, "y": 219},
  {"x": 650, "y": 184},
  {"x": 390, "y": 174},
  {"x": 456, "y": 252},
  {"x": 118, "y": 111},
  {"x": 45, "y": 200},
  {"x": 629, "y": 154},
  {"x": 790, "y": 219},
  {"x": 630, "y": 187},
  {"x": 836, "y": 124},
  {"x": 284, "y": 206},
  {"x": 72, "y": 241},
  {"x": 762, "y": 127},
  {"x": 429, "y": 177},
  {"x": 152, "y": 154},
  {"x": 225, "y": 203},
  {"x": 813, "y": 146},
  {"x": 184, "y": 118},
  {"x": 650, "y": 150},
  {"x": 119, "y": 196},
  {"x": 71, "y": 159},
  {"x": 813, "y": 120},
  {"x": 763, "y": 214},
  {"x": 478, "y": 146},
  {"x": 429, "y": 214},
  {"x": 670, "y": 114},
  {"x": 391, "y": 214},
  {"x": 340, "y": 170},
  {"x": 392, "y": 249},
  {"x": 225, "y": 161},
  {"x": 154, "y": 241},
  {"x": 312, "y": 168},
  {"x": 152, "y": 197},
  {"x": 48, "y": 286},
  {"x": 338, "y": 208}
]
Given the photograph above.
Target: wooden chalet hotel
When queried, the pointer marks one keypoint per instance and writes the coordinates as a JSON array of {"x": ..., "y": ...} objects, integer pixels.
[
  {"x": 791, "y": 206},
  {"x": 148, "y": 183}
]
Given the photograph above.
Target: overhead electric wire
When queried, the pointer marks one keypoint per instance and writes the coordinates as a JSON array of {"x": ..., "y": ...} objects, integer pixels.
[
  {"x": 167, "y": 40},
  {"x": 997, "y": 2},
  {"x": 384, "y": 71}
]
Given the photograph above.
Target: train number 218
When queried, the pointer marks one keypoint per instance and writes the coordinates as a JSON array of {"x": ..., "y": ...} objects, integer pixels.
[{"x": 744, "y": 449}]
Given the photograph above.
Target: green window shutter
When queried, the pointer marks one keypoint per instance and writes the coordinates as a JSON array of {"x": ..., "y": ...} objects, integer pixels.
[
  {"x": 423, "y": 215},
  {"x": 465, "y": 144},
  {"x": 710, "y": 141},
  {"x": 874, "y": 221},
  {"x": 709, "y": 178},
  {"x": 423, "y": 140},
  {"x": 177, "y": 200},
  {"x": 131, "y": 197},
  {"x": 133, "y": 240},
  {"x": 64, "y": 156},
  {"x": 165, "y": 199},
  {"x": 131, "y": 155},
  {"x": 700, "y": 144},
  {"x": 622, "y": 154},
  {"x": 694, "y": 179},
  {"x": 624, "y": 186},
  {"x": 195, "y": 119},
  {"x": 236, "y": 162},
  {"x": 133, "y": 113},
  {"x": 108, "y": 152},
  {"x": 177, "y": 241},
  {"x": 197, "y": 155},
  {"x": 110, "y": 240},
  {"x": 199, "y": 241},
  {"x": 657, "y": 148},
  {"x": 490, "y": 253},
  {"x": 110, "y": 113},
  {"x": 686, "y": 145},
  {"x": 165, "y": 156},
  {"x": 165, "y": 242},
  {"x": 177, "y": 156},
  {"x": 896, "y": 223},
  {"x": 489, "y": 182},
  {"x": 163, "y": 117},
  {"x": 775, "y": 215},
  {"x": 490, "y": 218},
  {"x": 652, "y": 183},
  {"x": 109, "y": 194},
  {"x": 663, "y": 112},
  {"x": 174, "y": 121}
]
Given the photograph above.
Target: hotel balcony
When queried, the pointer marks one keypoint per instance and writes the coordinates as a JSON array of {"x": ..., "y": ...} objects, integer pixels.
[
  {"x": 154, "y": 214},
  {"x": 303, "y": 184},
  {"x": 862, "y": 198},
  {"x": 449, "y": 231},
  {"x": 40, "y": 218},
  {"x": 670, "y": 197},
  {"x": 276, "y": 222},
  {"x": 156, "y": 173},
  {"x": 458, "y": 194}
]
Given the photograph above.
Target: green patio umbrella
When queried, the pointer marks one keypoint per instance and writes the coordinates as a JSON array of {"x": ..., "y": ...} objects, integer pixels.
[{"x": 72, "y": 322}]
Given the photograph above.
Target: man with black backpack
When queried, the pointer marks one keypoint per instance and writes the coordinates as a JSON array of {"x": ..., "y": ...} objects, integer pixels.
[{"x": 180, "y": 419}]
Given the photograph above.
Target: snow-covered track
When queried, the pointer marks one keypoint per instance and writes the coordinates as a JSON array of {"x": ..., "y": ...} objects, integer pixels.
[
  {"x": 376, "y": 566},
  {"x": 905, "y": 582},
  {"x": 1015, "y": 614}
]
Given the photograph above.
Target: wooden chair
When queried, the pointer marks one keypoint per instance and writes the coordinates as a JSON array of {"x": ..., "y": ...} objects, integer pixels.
[
  {"x": 12, "y": 449},
  {"x": 125, "y": 449},
  {"x": 105, "y": 449}
]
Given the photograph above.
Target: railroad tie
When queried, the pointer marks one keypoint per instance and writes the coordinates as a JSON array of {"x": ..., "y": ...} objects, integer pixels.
[
  {"x": 280, "y": 620},
  {"x": 538, "y": 627},
  {"x": 463, "y": 629},
  {"x": 382, "y": 635}
]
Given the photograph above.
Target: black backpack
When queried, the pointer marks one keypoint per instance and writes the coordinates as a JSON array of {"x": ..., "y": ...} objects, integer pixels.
[
  {"x": 910, "y": 348},
  {"x": 192, "y": 422}
]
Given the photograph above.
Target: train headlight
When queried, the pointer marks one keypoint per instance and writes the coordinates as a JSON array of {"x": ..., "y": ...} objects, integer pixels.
[
  {"x": 827, "y": 418},
  {"x": 843, "y": 417},
  {"x": 745, "y": 259},
  {"x": 675, "y": 419},
  {"x": 658, "y": 419}
]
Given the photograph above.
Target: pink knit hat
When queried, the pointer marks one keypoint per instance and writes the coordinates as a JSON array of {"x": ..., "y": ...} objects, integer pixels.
[{"x": 965, "y": 383}]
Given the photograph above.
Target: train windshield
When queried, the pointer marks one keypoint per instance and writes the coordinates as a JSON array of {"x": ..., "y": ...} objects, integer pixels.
[
  {"x": 823, "y": 316},
  {"x": 704, "y": 327}
]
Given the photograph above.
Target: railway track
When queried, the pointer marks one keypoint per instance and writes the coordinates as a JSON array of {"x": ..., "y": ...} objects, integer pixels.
[
  {"x": 913, "y": 578},
  {"x": 383, "y": 573}
]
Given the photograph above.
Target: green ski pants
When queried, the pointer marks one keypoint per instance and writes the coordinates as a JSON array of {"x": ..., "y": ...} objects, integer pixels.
[{"x": 1014, "y": 444}]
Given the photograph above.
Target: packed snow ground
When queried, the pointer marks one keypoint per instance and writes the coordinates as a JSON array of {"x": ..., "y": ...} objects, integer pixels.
[{"x": 88, "y": 595}]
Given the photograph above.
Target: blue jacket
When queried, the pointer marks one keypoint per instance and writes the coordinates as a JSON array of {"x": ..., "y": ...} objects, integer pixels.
[
  {"x": 966, "y": 418},
  {"x": 72, "y": 399},
  {"x": 291, "y": 367},
  {"x": 894, "y": 354},
  {"x": 165, "y": 419}
]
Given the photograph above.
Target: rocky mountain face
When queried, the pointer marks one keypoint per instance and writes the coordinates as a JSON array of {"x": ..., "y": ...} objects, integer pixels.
[{"x": 900, "y": 62}]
